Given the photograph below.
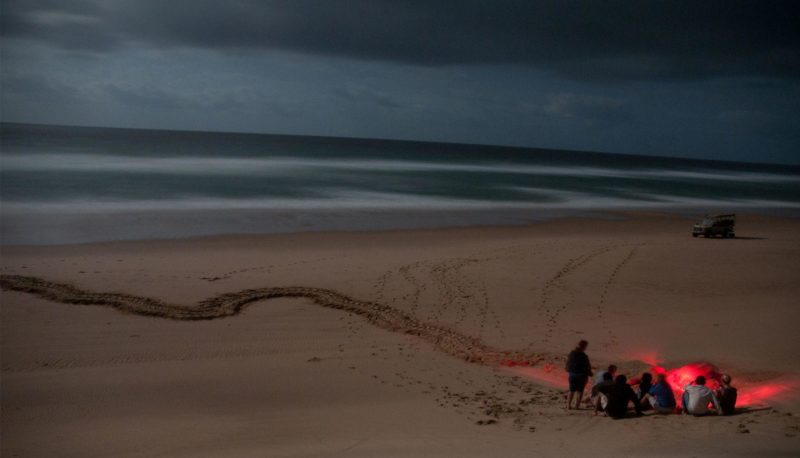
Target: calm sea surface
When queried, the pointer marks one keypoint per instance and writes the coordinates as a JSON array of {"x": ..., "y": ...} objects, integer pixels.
[{"x": 71, "y": 185}]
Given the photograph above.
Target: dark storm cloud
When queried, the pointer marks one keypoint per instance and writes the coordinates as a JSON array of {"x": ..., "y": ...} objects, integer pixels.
[
  {"x": 601, "y": 40},
  {"x": 149, "y": 97}
]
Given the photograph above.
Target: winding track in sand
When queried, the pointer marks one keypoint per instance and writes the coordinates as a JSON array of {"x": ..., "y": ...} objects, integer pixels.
[{"x": 445, "y": 339}]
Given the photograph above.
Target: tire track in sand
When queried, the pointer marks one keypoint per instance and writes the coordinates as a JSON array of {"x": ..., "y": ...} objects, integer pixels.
[
  {"x": 468, "y": 295},
  {"x": 547, "y": 307},
  {"x": 612, "y": 338},
  {"x": 447, "y": 340},
  {"x": 413, "y": 281}
]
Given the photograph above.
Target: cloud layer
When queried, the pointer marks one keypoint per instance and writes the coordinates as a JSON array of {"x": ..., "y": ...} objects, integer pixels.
[
  {"x": 710, "y": 79},
  {"x": 605, "y": 40}
]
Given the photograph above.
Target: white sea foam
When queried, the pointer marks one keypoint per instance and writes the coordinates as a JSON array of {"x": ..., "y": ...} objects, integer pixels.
[
  {"x": 344, "y": 200},
  {"x": 283, "y": 165}
]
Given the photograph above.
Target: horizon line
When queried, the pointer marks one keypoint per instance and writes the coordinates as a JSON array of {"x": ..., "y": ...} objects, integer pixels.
[{"x": 400, "y": 140}]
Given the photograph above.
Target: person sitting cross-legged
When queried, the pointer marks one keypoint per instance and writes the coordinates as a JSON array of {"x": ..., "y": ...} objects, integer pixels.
[
  {"x": 726, "y": 395},
  {"x": 600, "y": 400},
  {"x": 611, "y": 370},
  {"x": 697, "y": 397},
  {"x": 619, "y": 395},
  {"x": 643, "y": 388},
  {"x": 660, "y": 396}
]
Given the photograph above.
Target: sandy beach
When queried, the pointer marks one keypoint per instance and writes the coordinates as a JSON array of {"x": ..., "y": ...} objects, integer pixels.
[{"x": 445, "y": 342}]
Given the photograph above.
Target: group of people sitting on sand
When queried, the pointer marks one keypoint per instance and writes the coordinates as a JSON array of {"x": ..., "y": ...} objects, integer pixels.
[{"x": 613, "y": 393}]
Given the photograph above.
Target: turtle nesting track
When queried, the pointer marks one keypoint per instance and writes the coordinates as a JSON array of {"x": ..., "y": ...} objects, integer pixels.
[{"x": 445, "y": 339}]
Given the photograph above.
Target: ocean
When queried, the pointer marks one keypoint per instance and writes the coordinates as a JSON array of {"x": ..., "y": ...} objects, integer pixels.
[{"x": 63, "y": 184}]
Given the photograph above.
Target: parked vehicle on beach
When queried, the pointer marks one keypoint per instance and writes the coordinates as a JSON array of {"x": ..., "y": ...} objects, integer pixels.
[{"x": 713, "y": 225}]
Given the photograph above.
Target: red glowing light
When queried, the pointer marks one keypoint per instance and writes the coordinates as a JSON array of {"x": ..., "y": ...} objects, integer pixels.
[
  {"x": 751, "y": 393},
  {"x": 773, "y": 390},
  {"x": 648, "y": 357},
  {"x": 679, "y": 377},
  {"x": 512, "y": 363}
]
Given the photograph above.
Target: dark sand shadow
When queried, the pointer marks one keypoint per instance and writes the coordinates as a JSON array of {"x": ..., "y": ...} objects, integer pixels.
[
  {"x": 734, "y": 238},
  {"x": 747, "y": 410},
  {"x": 650, "y": 413}
]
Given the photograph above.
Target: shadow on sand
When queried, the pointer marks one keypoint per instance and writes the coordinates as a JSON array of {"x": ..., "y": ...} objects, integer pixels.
[
  {"x": 651, "y": 413},
  {"x": 732, "y": 239},
  {"x": 747, "y": 410}
]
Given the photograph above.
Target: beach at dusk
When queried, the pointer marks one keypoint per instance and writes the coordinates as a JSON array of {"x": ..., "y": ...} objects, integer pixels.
[
  {"x": 477, "y": 368},
  {"x": 401, "y": 229}
]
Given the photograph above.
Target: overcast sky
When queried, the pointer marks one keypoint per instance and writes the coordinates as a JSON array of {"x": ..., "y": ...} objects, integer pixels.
[{"x": 709, "y": 79}]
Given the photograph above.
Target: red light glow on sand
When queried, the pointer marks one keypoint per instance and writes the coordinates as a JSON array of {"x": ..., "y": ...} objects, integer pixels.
[
  {"x": 762, "y": 393},
  {"x": 751, "y": 393},
  {"x": 679, "y": 377}
]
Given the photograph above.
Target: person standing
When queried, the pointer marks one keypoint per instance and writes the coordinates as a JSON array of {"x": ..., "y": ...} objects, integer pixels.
[{"x": 579, "y": 370}]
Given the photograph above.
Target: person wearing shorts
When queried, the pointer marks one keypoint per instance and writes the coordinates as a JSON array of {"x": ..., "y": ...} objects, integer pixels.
[{"x": 579, "y": 370}]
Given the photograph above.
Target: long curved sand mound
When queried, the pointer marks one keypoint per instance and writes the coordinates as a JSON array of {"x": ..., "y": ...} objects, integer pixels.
[{"x": 385, "y": 317}]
